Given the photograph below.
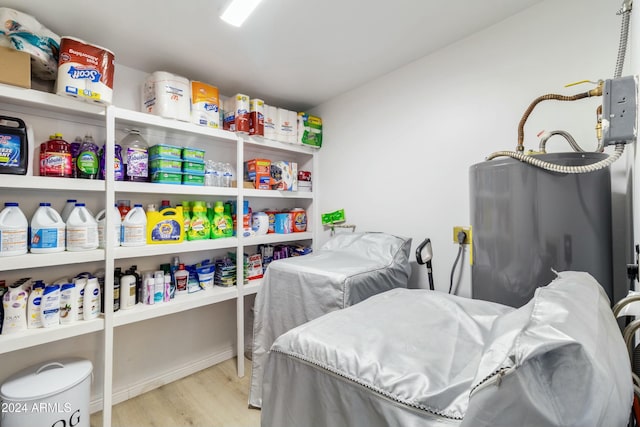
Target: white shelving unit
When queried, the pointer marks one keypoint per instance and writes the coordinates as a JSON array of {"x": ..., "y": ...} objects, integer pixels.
[{"x": 113, "y": 122}]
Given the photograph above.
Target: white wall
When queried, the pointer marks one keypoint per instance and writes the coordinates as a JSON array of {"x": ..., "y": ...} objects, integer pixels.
[{"x": 396, "y": 151}]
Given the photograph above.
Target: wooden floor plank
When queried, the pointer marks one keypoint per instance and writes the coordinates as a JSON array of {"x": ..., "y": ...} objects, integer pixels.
[{"x": 213, "y": 397}]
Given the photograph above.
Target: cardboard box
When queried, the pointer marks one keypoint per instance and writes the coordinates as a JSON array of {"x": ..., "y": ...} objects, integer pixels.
[
  {"x": 15, "y": 67},
  {"x": 259, "y": 172}
]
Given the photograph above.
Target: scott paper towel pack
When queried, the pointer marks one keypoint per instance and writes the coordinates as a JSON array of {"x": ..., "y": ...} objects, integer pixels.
[{"x": 85, "y": 71}]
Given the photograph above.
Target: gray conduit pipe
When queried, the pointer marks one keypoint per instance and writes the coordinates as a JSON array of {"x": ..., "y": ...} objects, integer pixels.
[{"x": 532, "y": 160}]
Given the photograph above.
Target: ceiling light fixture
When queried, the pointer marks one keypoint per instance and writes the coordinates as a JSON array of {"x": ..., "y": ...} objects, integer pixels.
[{"x": 238, "y": 10}]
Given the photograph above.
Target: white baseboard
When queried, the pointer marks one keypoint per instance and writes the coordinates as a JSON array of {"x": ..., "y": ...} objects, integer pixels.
[{"x": 133, "y": 390}]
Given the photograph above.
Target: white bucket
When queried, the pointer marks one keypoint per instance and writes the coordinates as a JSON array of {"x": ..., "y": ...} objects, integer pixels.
[
  {"x": 47, "y": 230},
  {"x": 82, "y": 230},
  {"x": 13, "y": 230},
  {"x": 134, "y": 227},
  {"x": 50, "y": 394},
  {"x": 167, "y": 95}
]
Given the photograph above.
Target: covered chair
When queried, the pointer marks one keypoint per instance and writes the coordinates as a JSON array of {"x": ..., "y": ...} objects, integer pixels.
[{"x": 346, "y": 270}]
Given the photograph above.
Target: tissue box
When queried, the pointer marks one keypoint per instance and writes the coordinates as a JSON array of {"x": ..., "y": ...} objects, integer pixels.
[
  {"x": 15, "y": 67},
  {"x": 284, "y": 176}
]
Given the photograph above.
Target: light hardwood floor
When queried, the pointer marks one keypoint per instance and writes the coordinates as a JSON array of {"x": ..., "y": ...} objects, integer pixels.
[{"x": 214, "y": 397}]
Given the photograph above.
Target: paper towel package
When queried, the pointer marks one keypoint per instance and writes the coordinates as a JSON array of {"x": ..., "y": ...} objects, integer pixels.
[
  {"x": 205, "y": 105},
  {"x": 167, "y": 95},
  {"x": 85, "y": 71}
]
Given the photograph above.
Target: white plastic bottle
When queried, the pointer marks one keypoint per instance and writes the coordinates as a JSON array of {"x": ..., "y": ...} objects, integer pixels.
[
  {"x": 128, "y": 291},
  {"x": 81, "y": 283},
  {"x": 135, "y": 156},
  {"x": 91, "y": 306},
  {"x": 82, "y": 230},
  {"x": 158, "y": 292},
  {"x": 47, "y": 230},
  {"x": 101, "y": 218},
  {"x": 50, "y": 306},
  {"x": 68, "y": 207},
  {"x": 34, "y": 309},
  {"x": 134, "y": 227},
  {"x": 13, "y": 230},
  {"x": 14, "y": 304},
  {"x": 68, "y": 304}
]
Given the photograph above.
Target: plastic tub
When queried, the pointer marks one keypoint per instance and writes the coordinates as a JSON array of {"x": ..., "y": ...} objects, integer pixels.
[
  {"x": 51, "y": 394},
  {"x": 195, "y": 154},
  {"x": 166, "y": 177},
  {"x": 165, "y": 151},
  {"x": 190, "y": 166},
  {"x": 192, "y": 179},
  {"x": 166, "y": 164}
]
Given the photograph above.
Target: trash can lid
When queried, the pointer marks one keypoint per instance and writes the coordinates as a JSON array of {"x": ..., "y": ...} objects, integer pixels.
[{"x": 46, "y": 379}]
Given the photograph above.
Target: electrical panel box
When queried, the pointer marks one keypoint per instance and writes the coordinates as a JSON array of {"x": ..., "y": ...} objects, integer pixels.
[{"x": 619, "y": 110}]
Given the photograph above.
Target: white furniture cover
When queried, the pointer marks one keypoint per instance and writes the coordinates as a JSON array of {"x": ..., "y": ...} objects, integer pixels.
[
  {"x": 346, "y": 270},
  {"x": 423, "y": 358}
]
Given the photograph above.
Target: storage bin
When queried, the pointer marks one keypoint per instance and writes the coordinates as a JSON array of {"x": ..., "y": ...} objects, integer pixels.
[
  {"x": 192, "y": 179},
  {"x": 165, "y": 164},
  {"x": 51, "y": 394},
  {"x": 165, "y": 151},
  {"x": 190, "y": 166},
  {"x": 166, "y": 177},
  {"x": 194, "y": 154}
]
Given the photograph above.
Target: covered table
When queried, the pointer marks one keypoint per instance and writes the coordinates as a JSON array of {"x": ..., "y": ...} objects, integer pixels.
[{"x": 347, "y": 269}]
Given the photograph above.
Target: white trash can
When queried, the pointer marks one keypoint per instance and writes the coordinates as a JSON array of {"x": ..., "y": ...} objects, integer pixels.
[{"x": 53, "y": 394}]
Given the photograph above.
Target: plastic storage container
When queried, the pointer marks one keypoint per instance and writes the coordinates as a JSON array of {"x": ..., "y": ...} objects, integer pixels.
[
  {"x": 193, "y": 154},
  {"x": 165, "y": 151},
  {"x": 166, "y": 177},
  {"x": 167, "y": 164},
  {"x": 51, "y": 394}
]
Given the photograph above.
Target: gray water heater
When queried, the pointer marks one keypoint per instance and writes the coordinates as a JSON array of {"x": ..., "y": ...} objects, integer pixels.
[{"x": 527, "y": 221}]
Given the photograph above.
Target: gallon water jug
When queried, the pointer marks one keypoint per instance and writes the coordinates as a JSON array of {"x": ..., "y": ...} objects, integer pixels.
[
  {"x": 101, "y": 217},
  {"x": 82, "y": 230},
  {"x": 13, "y": 230},
  {"x": 47, "y": 230},
  {"x": 134, "y": 227}
]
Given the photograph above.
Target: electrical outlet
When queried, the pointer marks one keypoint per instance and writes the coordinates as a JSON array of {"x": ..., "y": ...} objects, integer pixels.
[{"x": 467, "y": 231}]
